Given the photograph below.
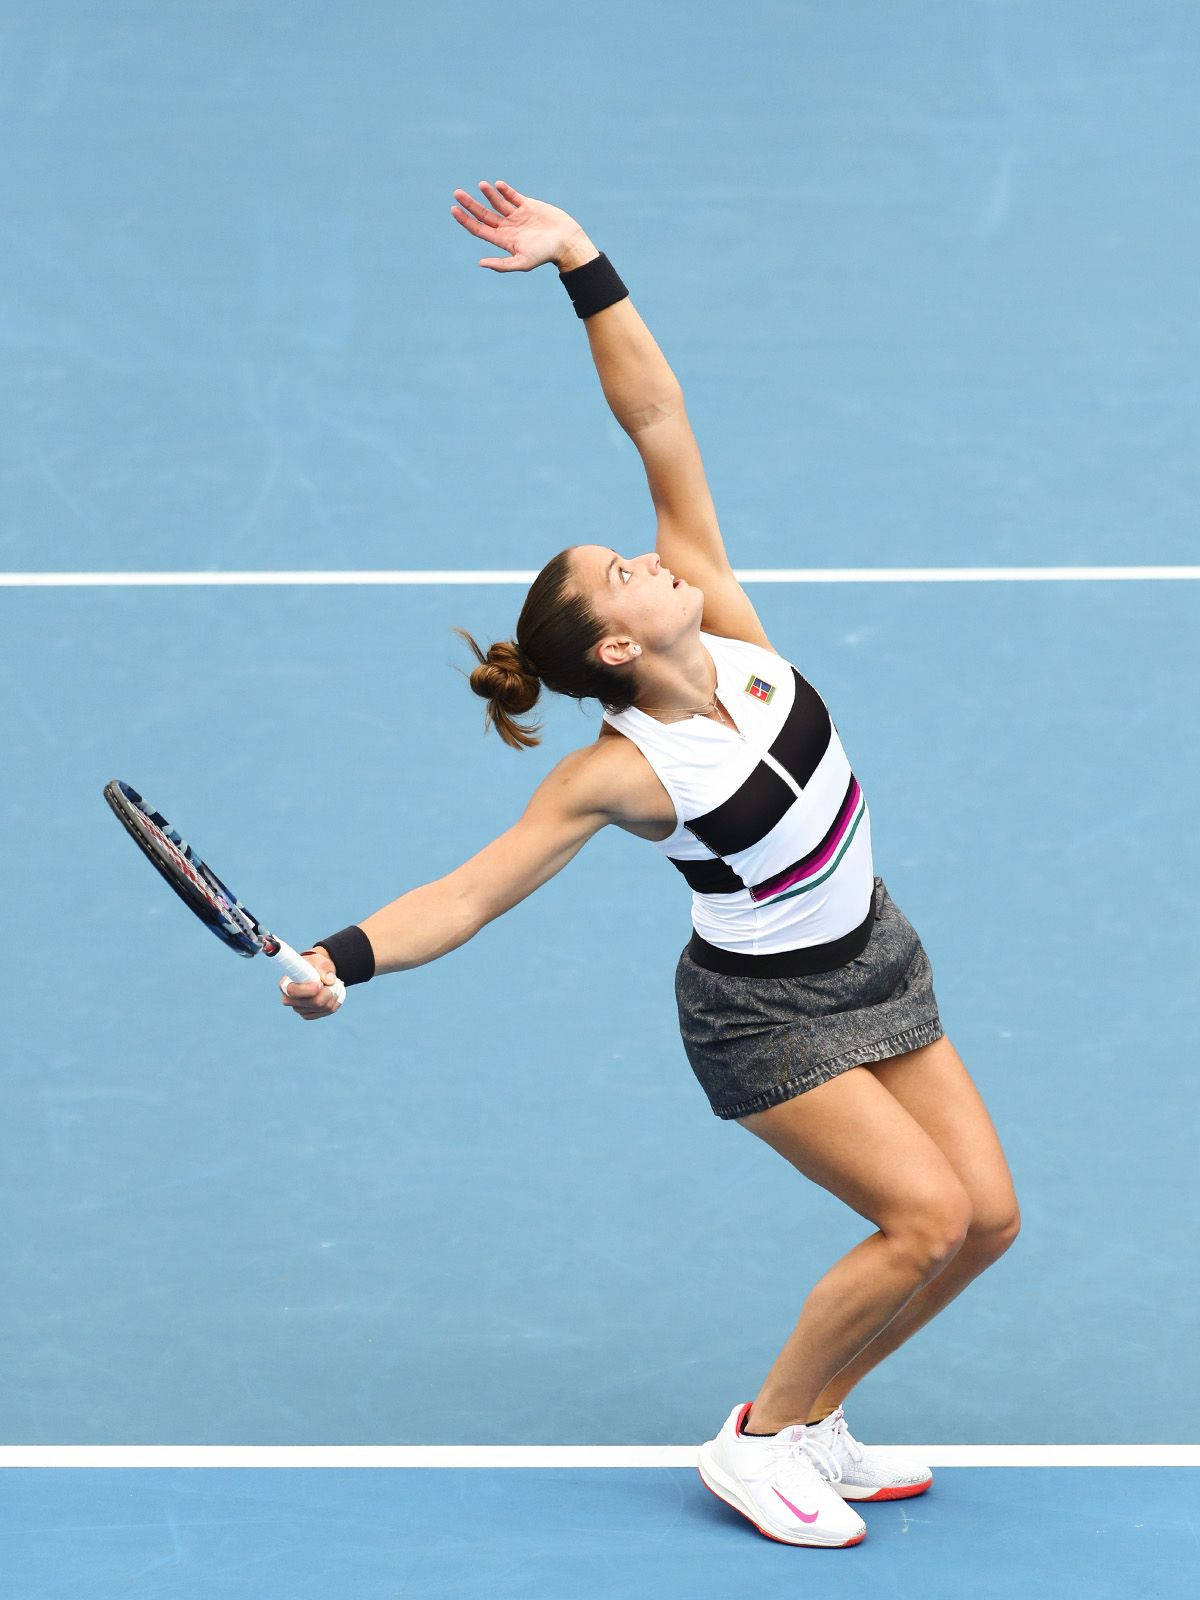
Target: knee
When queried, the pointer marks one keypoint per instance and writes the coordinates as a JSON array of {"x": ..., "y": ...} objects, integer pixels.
[
  {"x": 994, "y": 1227},
  {"x": 935, "y": 1230}
]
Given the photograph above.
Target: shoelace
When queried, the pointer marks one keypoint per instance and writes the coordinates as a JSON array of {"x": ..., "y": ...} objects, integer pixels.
[
  {"x": 841, "y": 1436},
  {"x": 820, "y": 1455}
]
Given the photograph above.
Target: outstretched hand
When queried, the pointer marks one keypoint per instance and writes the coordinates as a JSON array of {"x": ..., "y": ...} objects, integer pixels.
[{"x": 532, "y": 231}]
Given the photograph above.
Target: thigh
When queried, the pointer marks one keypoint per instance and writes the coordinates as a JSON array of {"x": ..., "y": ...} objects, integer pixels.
[
  {"x": 937, "y": 1092},
  {"x": 855, "y": 1139}
]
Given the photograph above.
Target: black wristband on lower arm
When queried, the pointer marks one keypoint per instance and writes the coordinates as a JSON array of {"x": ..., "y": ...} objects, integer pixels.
[
  {"x": 351, "y": 953},
  {"x": 594, "y": 286}
]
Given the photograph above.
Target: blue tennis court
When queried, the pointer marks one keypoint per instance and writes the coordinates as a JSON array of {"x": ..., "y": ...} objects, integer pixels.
[
  {"x": 580, "y": 1532},
  {"x": 928, "y": 276}
]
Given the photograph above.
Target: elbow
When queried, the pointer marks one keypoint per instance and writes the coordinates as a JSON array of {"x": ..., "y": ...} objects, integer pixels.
[
  {"x": 647, "y": 416},
  {"x": 464, "y": 918}
]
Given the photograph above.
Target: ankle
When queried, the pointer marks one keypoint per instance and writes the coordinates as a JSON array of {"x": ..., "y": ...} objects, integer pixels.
[{"x": 759, "y": 1423}]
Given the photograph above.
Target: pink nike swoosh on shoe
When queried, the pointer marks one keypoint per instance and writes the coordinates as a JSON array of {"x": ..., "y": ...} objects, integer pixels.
[{"x": 803, "y": 1515}]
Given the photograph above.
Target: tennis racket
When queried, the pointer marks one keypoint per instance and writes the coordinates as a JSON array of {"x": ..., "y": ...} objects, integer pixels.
[{"x": 198, "y": 886}]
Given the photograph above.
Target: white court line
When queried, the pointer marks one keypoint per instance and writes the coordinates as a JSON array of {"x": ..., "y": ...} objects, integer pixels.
[
  {"x": 934, "y": 1455},
  {"x": 134, "y": 580}
]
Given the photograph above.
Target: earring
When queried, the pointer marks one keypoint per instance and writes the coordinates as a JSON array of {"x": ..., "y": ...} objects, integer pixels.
[{"x": 637, "y": 649}]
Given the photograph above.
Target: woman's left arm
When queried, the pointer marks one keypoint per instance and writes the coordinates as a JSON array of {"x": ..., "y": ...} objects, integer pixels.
[
  {"x": 642, "y": 391},
  {"x": 646, "y": 398}
]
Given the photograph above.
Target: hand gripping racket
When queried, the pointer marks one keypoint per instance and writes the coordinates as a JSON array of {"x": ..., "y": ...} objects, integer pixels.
[{"x": 198, "y": 886}]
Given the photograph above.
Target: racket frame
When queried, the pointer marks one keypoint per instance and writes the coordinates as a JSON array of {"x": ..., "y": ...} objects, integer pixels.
[{"x": 198, "y": 886}]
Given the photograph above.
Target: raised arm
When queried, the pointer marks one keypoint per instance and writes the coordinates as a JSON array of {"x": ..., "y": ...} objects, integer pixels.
[
  {"x": 574, "y": 801},
  {"x": 642, "y": 391}
]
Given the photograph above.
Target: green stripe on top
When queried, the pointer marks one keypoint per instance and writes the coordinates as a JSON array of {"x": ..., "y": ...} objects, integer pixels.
[{"x": 830, "y": 870}]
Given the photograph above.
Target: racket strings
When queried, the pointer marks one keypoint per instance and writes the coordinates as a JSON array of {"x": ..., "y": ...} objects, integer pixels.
[{"x": 192, "y": 880}]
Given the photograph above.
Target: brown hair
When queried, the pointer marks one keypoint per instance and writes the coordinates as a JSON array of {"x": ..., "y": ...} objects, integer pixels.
[{"x": 555, "y": 631}]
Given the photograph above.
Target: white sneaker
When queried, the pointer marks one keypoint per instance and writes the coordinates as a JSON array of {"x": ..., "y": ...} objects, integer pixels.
[
  {"x": 865, "y": 1472},
  {"x": 776, "y": 1484}
]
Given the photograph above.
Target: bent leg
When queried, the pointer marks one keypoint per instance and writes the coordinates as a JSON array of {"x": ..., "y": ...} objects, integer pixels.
[
  {"x": 934, "y": 1087},
  {"x": 856, "y": 1140}
]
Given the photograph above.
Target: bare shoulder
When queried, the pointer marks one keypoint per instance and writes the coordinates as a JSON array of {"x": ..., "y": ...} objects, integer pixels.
[{"x": 633, "y": 792}]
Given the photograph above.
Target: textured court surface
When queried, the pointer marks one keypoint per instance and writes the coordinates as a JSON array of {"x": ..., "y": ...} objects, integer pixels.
[
  {"x": 1094, "y": 1534},
  {"x": 438, "y": 1217},
  {"x": 929, "y": 276}
]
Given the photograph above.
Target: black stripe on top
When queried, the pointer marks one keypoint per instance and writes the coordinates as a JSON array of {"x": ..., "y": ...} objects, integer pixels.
[
  {"x": 709, "y": 877},
  {"x": 718, "y": 877},
  {"x": 759, "y": 804},
  {"x": 804, "y": 737}
]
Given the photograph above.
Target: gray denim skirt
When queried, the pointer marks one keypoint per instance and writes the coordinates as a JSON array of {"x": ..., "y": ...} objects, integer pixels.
[{"x": 754, "y": 1042}]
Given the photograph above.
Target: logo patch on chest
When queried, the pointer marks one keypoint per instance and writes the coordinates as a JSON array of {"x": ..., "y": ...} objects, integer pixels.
[{"x": 760, "y": 689}]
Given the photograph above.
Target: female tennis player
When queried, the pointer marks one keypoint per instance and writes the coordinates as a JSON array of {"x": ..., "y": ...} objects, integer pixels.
[{"x": 805, "y": 997}]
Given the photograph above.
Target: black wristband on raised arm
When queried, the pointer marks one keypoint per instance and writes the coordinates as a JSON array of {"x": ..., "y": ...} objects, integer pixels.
[
  {"x": 594, "y": 286},
  {"x": 351, "y": 953}
]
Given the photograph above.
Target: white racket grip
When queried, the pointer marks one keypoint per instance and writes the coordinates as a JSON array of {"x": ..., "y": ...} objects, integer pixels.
[{"x": 302, "y": 971}]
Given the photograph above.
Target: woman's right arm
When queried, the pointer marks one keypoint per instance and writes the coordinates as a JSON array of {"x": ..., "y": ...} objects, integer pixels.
[{"x": 571, "y": 804}]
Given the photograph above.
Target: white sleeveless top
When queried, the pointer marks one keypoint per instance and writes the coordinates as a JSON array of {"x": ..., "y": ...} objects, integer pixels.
[{"x": 772, "y": 830}]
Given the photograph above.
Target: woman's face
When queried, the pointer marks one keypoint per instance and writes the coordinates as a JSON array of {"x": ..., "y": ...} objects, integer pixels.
[{"x": 638, "y": 599}]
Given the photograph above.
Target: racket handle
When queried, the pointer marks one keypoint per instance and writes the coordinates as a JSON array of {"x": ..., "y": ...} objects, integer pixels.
[{"x": 298, "y": 969}]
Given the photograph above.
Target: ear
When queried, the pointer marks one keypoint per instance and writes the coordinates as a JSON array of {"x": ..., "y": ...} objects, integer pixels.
[{"x": 616, "y": 652}]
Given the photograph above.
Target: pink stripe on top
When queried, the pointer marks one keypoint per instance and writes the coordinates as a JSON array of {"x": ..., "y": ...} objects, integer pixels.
[{"x": 810, "y": 867}]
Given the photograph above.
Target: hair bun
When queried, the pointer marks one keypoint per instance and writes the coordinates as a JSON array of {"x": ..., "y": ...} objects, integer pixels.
[
  {"x": 507, "y": 680},
  {"x": 558, "y": 621},
  {"x": 505, "y": 677}
]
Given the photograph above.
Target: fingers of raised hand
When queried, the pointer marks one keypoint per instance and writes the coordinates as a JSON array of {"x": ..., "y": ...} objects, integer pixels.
[
  {"x": 486, "y": 225},
  {"x": 502, "y": 197},
  {"x": 479, "y": 214}
]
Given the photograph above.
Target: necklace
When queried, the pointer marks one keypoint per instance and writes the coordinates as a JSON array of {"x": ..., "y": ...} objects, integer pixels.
[{"x": 701, "y": 711}]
